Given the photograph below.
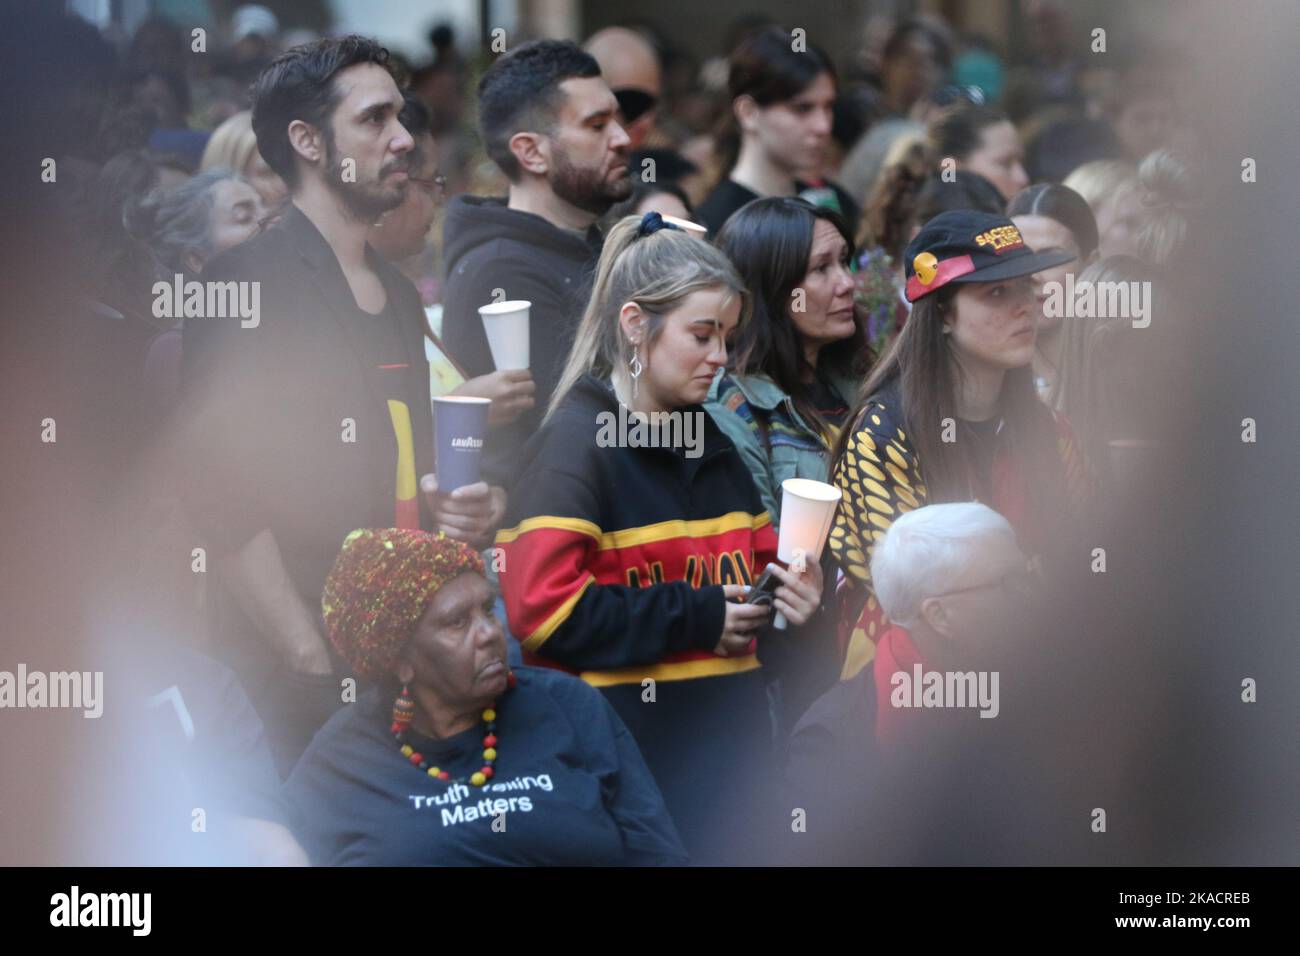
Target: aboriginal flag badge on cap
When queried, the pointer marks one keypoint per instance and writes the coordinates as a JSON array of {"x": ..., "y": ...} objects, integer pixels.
[{"x": 970, "y": 246}]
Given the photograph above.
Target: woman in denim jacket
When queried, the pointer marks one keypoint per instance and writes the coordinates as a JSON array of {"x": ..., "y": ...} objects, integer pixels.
[{"x": 798, "y": 364}]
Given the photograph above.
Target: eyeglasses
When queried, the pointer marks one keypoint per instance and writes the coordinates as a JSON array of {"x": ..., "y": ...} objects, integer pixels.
[{"x": 1016, "y": 583}]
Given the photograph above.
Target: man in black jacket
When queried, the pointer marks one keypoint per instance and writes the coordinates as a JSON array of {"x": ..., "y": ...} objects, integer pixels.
[
  {"x": 308, "y": 414},
  {"x": 550, "y": 123}
]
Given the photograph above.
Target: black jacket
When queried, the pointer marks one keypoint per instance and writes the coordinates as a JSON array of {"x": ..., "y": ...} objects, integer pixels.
[
  {"x": 612, "y": 561},
  {"x": 489, "y": 247},
  {"x": 832, "y": 768},
  {"x": 615, "y": 556},
  {"x": 263, "y": 408}
]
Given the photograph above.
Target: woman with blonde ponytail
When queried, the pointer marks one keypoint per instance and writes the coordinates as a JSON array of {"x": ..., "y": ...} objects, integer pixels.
[
  {"x": 635, "y": 527},
  {"x": 1170, "y": 200}
]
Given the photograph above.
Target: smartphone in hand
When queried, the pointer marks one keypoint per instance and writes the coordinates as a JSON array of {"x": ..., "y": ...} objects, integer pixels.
[{"x": 761, "y": 592}]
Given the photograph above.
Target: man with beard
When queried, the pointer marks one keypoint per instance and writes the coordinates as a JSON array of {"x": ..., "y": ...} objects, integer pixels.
[
  {"x": 550, "y": 122},
  {"x": 313, "y": 419}
]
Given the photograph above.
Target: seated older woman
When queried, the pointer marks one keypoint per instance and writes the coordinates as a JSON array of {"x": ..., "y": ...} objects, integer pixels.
[{"x": 471, "y": 763}]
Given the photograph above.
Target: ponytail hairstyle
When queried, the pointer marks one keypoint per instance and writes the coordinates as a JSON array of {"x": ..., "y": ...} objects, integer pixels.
[
  {"x": 656, "y": 270},
  {"x": 920, "y": 362},
  {"x": 1167, "y": 185}
]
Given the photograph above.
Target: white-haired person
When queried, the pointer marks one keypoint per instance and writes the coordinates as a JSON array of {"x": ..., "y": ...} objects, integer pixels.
[{"x": 951, "y": 579}]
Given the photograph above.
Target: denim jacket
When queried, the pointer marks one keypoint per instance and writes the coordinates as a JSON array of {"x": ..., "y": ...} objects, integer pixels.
[{"x": 773, "y": 439}]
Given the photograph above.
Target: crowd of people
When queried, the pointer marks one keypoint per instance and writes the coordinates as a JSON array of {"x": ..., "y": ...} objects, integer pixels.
[{"x": 558, "y": 664}]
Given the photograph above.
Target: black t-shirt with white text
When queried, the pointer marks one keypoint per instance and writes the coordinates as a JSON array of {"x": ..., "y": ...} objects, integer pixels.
[{"x": 570, "y": 788}]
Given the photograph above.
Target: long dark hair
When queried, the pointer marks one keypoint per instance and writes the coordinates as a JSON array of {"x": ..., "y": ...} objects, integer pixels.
[
  {"x": 920, "y": 362},
  {"x": 765, "y": 66},
  {"x": 770, "y": 242}
]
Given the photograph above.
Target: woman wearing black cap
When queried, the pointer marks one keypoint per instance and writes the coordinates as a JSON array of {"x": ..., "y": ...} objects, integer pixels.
[{"x": 950, "y": 412}]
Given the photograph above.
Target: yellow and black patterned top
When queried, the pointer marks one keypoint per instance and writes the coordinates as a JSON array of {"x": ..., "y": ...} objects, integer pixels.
[{"x": 882, "y": 479}]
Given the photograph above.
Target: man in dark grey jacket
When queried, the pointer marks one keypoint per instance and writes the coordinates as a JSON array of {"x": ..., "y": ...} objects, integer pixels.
[{"x": 550, "y": 123}]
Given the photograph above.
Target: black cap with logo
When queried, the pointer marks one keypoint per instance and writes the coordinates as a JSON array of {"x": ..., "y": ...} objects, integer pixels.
[{"x": 970, "y": 246}]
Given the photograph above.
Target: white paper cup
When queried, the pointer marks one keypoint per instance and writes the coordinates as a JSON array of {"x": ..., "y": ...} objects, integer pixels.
[
  {"x": 807, "y": 510},
  {"x": 506, "y": 325},
  {"x": 694, "y": 228}
]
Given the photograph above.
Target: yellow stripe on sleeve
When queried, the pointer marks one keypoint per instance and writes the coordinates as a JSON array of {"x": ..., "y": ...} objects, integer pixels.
[
  {"x": 561, "y": 614},
  {"x": 552, "y": 522},
  {"x": 672, "y": 670}
]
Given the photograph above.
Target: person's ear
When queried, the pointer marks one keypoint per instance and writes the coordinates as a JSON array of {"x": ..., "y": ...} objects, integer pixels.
[
  {"x": 405, "y": 672},
  {"x": 746, "y": 110},
  {"x": 307, "y": 141},
  {"x": 947, "y": 316},
  {"x": 632, "y": 320},
  {"x": 935, "y": 614},
  {"x": 192, "y": 262},
  {"x": 532, "y": 151}
]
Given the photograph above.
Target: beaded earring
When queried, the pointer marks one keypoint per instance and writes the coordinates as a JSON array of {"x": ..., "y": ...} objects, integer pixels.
[
  {"x": 402, "y": 717},
  {"x": 403, "y": 710}
]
